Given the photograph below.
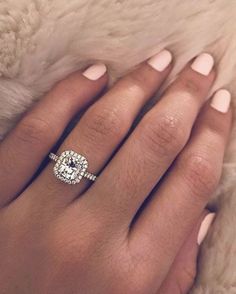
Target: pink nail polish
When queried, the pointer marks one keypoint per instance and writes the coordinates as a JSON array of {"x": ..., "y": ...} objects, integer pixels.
[
  {"x": 221, "y": 101},
  {"x": 95, "y": 71},
  {"x": 203, "y": 64},
  {"x": 204, "y": 228},
  {"x": 161, "y": 60}
]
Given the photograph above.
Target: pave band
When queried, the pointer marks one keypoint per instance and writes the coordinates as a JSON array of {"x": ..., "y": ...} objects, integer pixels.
[
  {"x": 71, "y": 167},
  {"x": 53, "y": 157}
]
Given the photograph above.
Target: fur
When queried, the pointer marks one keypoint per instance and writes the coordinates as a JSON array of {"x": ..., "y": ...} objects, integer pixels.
[{"x": 42, "y": 41}]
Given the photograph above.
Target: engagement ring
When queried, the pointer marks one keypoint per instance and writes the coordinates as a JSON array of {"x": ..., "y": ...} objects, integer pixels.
[{"x": 71, "y": 167}]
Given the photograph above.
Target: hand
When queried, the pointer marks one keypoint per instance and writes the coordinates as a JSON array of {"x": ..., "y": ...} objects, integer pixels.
[{"x": 119, "y": 235}]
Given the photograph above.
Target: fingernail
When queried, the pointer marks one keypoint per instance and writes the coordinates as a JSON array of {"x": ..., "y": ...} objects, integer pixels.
[
  {"x": 203, "y": 64},
  {"x": 161, "y": 60},
  {"x": 221, "y": 100},
  {"x": 205, "y": 225},
  {"x": 95, "y": 71}
]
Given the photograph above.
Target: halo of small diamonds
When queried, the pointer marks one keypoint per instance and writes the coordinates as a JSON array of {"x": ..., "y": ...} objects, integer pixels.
[{"x": 70, "y": 167}]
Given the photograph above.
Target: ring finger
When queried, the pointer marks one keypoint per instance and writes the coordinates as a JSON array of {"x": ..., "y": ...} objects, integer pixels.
[{"x": 105, "y": 125}]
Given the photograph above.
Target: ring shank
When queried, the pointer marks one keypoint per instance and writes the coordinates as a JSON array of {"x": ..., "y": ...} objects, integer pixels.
[
  {"x": 53, "y": 157},
  {"x": 90, "y": 176}
]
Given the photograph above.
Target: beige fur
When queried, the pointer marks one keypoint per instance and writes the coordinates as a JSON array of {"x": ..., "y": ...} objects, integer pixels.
[{"x": 41, "y": 41}]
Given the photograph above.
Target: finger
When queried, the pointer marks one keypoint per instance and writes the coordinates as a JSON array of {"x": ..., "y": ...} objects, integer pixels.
[
  {"x": 173, "y": 209},
  {"x": 155, "y": 143},
  {"x": 183, "y": 271},
  {"x": 27, "y": 145},
  {"x": 105, "y": 125}
]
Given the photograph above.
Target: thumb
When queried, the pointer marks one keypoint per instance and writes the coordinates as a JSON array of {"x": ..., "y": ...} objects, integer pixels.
[{"x": 183, "y": 271}]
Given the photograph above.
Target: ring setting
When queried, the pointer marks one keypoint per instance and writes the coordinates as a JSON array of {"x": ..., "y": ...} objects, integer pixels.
[{"x": 71, "y": 167}]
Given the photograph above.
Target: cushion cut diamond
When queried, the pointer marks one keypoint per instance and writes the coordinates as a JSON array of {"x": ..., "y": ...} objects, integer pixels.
[{"x": 70, "y": 167}]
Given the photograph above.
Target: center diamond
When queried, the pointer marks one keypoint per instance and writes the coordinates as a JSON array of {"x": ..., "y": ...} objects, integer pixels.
[{"x": 70, "y": 167}]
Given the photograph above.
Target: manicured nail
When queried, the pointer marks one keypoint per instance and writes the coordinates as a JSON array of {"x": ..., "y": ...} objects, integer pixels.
[
  {"x": 205, "y": 225},
  {"x": 221, "y": 100},
  {"x": 95, "y": 71},
  {"x": 203, "y": 64},
  {"x": 161, "y": 60}
]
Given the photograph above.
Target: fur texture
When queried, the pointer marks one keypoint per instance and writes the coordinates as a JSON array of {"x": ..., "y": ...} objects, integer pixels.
[{"x": 41, "y": 41}]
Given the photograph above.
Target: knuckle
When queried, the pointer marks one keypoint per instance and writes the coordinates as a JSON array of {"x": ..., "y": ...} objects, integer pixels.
[
  {"x": 191, "y": 86},
  {"x": 104, "y": 123},
  {"x": 164, "y": 136},
  {"x": 201, "y": 174},
  {"x": 32, "y": 130},
  {"x": 139, "y": 82},
  {"x": 217, "y": 129}
]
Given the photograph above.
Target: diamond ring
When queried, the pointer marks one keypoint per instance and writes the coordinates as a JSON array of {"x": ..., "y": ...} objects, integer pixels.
[{"x": 71, "y": 167}]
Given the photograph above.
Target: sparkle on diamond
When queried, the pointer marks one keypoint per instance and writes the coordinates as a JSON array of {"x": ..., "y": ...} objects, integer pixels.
[{"x": 70, "y": 167}]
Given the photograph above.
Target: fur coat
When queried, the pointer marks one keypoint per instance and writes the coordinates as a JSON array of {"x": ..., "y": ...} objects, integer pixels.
[{"x": 41, "y": 41}]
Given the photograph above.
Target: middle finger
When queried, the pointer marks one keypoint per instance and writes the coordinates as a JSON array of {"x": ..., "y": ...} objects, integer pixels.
[{"x": 154, "y": 145}]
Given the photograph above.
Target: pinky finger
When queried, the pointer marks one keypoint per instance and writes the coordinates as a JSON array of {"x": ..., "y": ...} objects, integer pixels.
[
  {"x": 176, "y": 206},
  {"x": 183, "y": 272}
]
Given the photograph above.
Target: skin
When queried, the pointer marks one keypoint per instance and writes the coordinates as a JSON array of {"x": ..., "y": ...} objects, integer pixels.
[{"x": 58, "y": 238}]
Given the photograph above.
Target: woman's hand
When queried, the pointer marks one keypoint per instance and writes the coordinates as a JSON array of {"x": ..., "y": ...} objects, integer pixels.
[{"x": 119, "y": 235}]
